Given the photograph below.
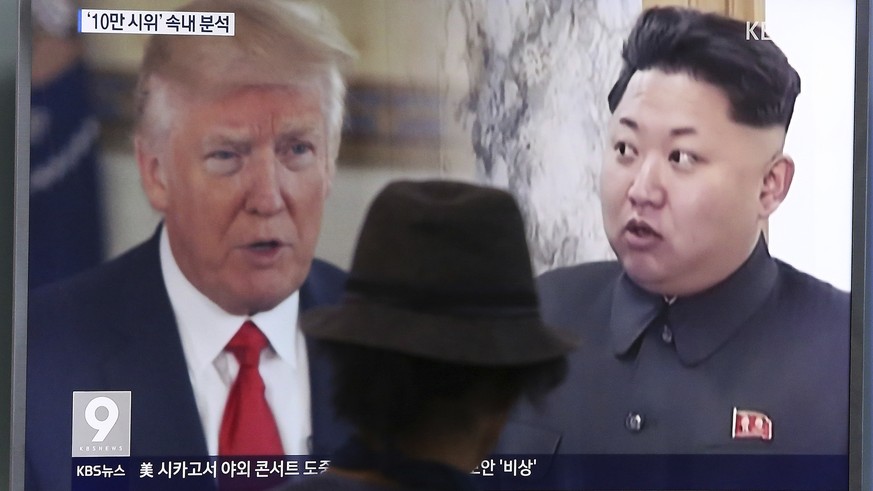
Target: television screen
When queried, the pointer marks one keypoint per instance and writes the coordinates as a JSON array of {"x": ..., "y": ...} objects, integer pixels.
[{"x": 641, "y": 165}]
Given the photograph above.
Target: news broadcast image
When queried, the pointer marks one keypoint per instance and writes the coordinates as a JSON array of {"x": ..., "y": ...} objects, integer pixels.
[{"x": 696, "y": 227}]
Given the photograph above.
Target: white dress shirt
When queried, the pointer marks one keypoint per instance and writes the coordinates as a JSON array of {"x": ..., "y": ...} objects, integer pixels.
[{"x": 205, "y": 330}]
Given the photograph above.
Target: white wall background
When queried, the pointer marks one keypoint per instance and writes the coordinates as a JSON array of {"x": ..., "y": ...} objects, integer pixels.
[
  {"x": 536, "y": 110},
  {"x": 812, "y": 230}
]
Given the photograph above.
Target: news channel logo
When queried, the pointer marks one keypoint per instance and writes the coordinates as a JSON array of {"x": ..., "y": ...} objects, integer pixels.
[
  {"x": 101, "y": 424},
  {"x": 757, "y": 31}
]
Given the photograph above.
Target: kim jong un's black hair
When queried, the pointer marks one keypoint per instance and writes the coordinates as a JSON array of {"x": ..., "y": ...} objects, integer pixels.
[{"x": 753, "y": 73}]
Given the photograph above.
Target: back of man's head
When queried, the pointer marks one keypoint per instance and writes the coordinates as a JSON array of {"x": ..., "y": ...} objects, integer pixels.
[
  {"x": 753, "y": 73},
  {"x": 394, "y": 397},
  {"x": 275, "y": 44},
  {"x": 432, "y": 346}
]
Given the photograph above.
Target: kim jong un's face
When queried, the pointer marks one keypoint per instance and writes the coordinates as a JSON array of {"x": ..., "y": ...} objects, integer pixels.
[{"x": 685, "y": 189}]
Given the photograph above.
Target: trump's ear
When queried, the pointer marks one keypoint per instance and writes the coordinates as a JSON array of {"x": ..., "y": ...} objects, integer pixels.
[
  {"x": 776, "y": 183},
  {"x": 329, "y": 175},
  {"x": 328, "y": 185},
  {"x": 152, "y": 174}
]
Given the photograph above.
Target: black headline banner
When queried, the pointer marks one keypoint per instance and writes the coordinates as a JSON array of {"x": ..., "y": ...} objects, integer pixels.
[{"x": 505, "y": 472}]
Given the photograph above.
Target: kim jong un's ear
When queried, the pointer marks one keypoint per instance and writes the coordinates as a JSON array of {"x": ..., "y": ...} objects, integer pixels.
[{"x": 775, "y": 184}]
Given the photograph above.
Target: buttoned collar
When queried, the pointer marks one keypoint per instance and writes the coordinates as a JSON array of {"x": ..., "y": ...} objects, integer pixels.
[{"x": 700, "y": 323}]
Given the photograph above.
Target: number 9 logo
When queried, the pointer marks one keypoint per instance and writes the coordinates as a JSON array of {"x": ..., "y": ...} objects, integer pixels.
[{"x": 103, "y": 426}]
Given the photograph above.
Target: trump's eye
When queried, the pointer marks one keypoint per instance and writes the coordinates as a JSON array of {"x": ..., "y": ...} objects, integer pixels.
[
  {"x": 223, "y": 161},
  {"x": 300, "y": 148},
  {"x": 221, "y": 155},
  {"x": 294, "y": 148},
  {"x": 683, "y": 159},
  {"x": 296, "y": 154}
]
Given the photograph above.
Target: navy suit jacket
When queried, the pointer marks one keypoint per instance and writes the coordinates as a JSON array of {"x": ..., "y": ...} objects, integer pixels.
[{"x": 113, "y": 328}]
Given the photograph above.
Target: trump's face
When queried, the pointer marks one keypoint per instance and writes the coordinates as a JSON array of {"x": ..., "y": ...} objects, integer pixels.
[
  {"x": 241, "y": 183},
  {"x": 685, "y": 189}
]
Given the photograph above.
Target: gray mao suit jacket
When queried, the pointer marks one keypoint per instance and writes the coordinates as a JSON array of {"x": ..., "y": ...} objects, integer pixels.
[{"x": 652, "y": 378}]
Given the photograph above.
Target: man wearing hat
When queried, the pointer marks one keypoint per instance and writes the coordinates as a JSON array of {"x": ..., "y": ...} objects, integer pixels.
[{"x": 433, "y": 343}]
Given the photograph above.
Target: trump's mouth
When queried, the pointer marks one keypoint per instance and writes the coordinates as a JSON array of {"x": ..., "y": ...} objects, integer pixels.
[
  {"x": 264, "y": 245},
  {"x": 265, "y": 253}
]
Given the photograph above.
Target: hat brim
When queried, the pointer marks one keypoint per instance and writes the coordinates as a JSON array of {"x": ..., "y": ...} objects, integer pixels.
[{"x": 483, "y": 341}]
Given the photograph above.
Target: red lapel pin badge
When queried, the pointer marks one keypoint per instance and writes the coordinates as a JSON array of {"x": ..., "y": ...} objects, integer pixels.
[{"x": 751, "y": 424}]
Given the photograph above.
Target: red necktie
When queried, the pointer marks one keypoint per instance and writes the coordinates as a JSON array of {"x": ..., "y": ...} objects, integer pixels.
[{"x": 248, "y": 426}]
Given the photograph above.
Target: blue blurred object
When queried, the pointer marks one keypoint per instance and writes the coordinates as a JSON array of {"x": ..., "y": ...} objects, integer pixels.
[{"x": 65, "y": 201}]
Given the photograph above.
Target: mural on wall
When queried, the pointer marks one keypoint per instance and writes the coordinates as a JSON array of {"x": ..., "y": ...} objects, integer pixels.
[{"x": 539, "y": 75}]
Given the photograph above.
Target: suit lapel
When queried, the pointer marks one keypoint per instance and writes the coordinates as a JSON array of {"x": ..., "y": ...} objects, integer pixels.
[{"x": 149, "y": 361}]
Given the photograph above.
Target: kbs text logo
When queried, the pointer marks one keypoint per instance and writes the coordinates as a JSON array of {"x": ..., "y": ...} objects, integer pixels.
[
  {"x": 757, "y": 31},
  {"x": 101, "y": 424}
]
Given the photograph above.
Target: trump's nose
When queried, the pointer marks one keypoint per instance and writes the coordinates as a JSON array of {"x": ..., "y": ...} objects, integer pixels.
[{"x": 264, "y": 194}]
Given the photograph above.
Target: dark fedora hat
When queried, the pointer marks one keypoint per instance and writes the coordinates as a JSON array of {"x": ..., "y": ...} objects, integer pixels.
[{"x": 442, "y": 271}]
